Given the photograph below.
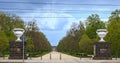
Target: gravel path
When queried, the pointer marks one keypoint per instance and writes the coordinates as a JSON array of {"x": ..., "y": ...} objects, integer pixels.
[{"x": 56, "y": 57}]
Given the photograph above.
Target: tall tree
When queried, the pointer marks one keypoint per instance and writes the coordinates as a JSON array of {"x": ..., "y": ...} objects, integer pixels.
[
  {"x": 86, "y": 45},
  {"x": 113, "y": 35},
  {"x": 70, "y": 43},
  {"x": 32, "y": 26},
  {"x": 36, "y": 41},
  {"x": 4, "y": 43},
  {"x": 93, "y": 23}
]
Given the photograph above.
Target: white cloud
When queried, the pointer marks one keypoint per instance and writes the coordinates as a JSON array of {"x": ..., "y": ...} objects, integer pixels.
[
  {"x": 69, "y": 20},
  {"x": 48, "y": 22},
  {"x": 104, "y": 19},
  {"x": 101, "y": 9},
  {"x": 61, "y": 21}
]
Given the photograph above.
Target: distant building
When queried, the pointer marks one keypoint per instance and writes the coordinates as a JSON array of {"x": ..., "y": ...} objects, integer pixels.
[{"x": 54, "y": 48}]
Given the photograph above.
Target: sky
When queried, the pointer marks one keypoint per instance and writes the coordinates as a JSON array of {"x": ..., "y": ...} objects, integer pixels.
[{"x": 54, "y": 17}]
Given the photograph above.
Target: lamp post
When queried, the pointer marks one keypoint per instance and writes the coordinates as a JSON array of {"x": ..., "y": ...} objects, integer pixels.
[{"x": 23, "y": 40}]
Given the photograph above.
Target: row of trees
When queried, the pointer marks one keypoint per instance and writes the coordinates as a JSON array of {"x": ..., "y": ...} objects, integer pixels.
[
  {"x": 81, "y": 38},
  {"x": 36, "y": 40}
]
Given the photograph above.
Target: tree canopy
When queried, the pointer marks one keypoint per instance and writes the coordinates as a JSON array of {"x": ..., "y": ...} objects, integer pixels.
[
  {"x": 113, "y": 28},
  {"x": 70, "y": 43},
  {"x": 36, "y": 40},
  {"x": 86, "y": 45},
  {"x": 93, "y": 23}
]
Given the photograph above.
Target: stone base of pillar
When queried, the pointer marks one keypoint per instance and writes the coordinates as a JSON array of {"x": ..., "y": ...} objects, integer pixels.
[
  {"x": 16, "y": 50},
  {"x": 102, "y": 51}
]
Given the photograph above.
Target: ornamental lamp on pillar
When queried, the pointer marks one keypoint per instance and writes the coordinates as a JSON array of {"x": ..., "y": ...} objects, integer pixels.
[
  {"x": 102, "y": 48},
  {"x": 18, "y": 33},
  {"x": 101, "y": 33}
]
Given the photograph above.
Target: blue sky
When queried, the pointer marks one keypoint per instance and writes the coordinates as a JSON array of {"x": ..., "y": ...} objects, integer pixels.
[{"x": 56, "y": 27}]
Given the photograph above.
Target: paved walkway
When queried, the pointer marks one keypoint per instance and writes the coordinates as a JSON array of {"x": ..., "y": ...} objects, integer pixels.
[{"x": 56, "y": 57}]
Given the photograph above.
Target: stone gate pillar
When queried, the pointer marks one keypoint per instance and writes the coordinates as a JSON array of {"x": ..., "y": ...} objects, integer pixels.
[
  {"x": 102, "y": 51},
  {"x": 16, "y": 50}
]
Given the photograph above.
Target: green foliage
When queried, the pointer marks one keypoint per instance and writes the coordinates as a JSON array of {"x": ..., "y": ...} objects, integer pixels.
[
  {"x": 29, "y": 45},
  {"x": 70, "y": 43},
  {"x": 36, "y": 41},
  {"x": 66, "y": 43},
  {"x": 92, "y": 24},
  {"x": 4, "y": 43},
  {"x": 113, "y": 35},
  {"x": 4, "y": 22},
  {"x": 7, "y": 23},
  {"x": 32, "y": 26},
  {"x": 75, "y": 42},
  {"x": 86, "y": 45}
]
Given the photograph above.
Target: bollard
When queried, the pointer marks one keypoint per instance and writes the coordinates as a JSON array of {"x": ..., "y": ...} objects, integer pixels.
[
  {"x": 30, "y": 58},
  {"x": 80, "y": 56},
  {"x": 3, "y": 56},
  {"x": 41, "y": 57},
  {"x": 30, "y": 55},
  {"x": 60, "y": 56},
  {"x": 50, "y": 57},
  {"x": 90, "y": 57},
  {"x": 116, "y": 58}
]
